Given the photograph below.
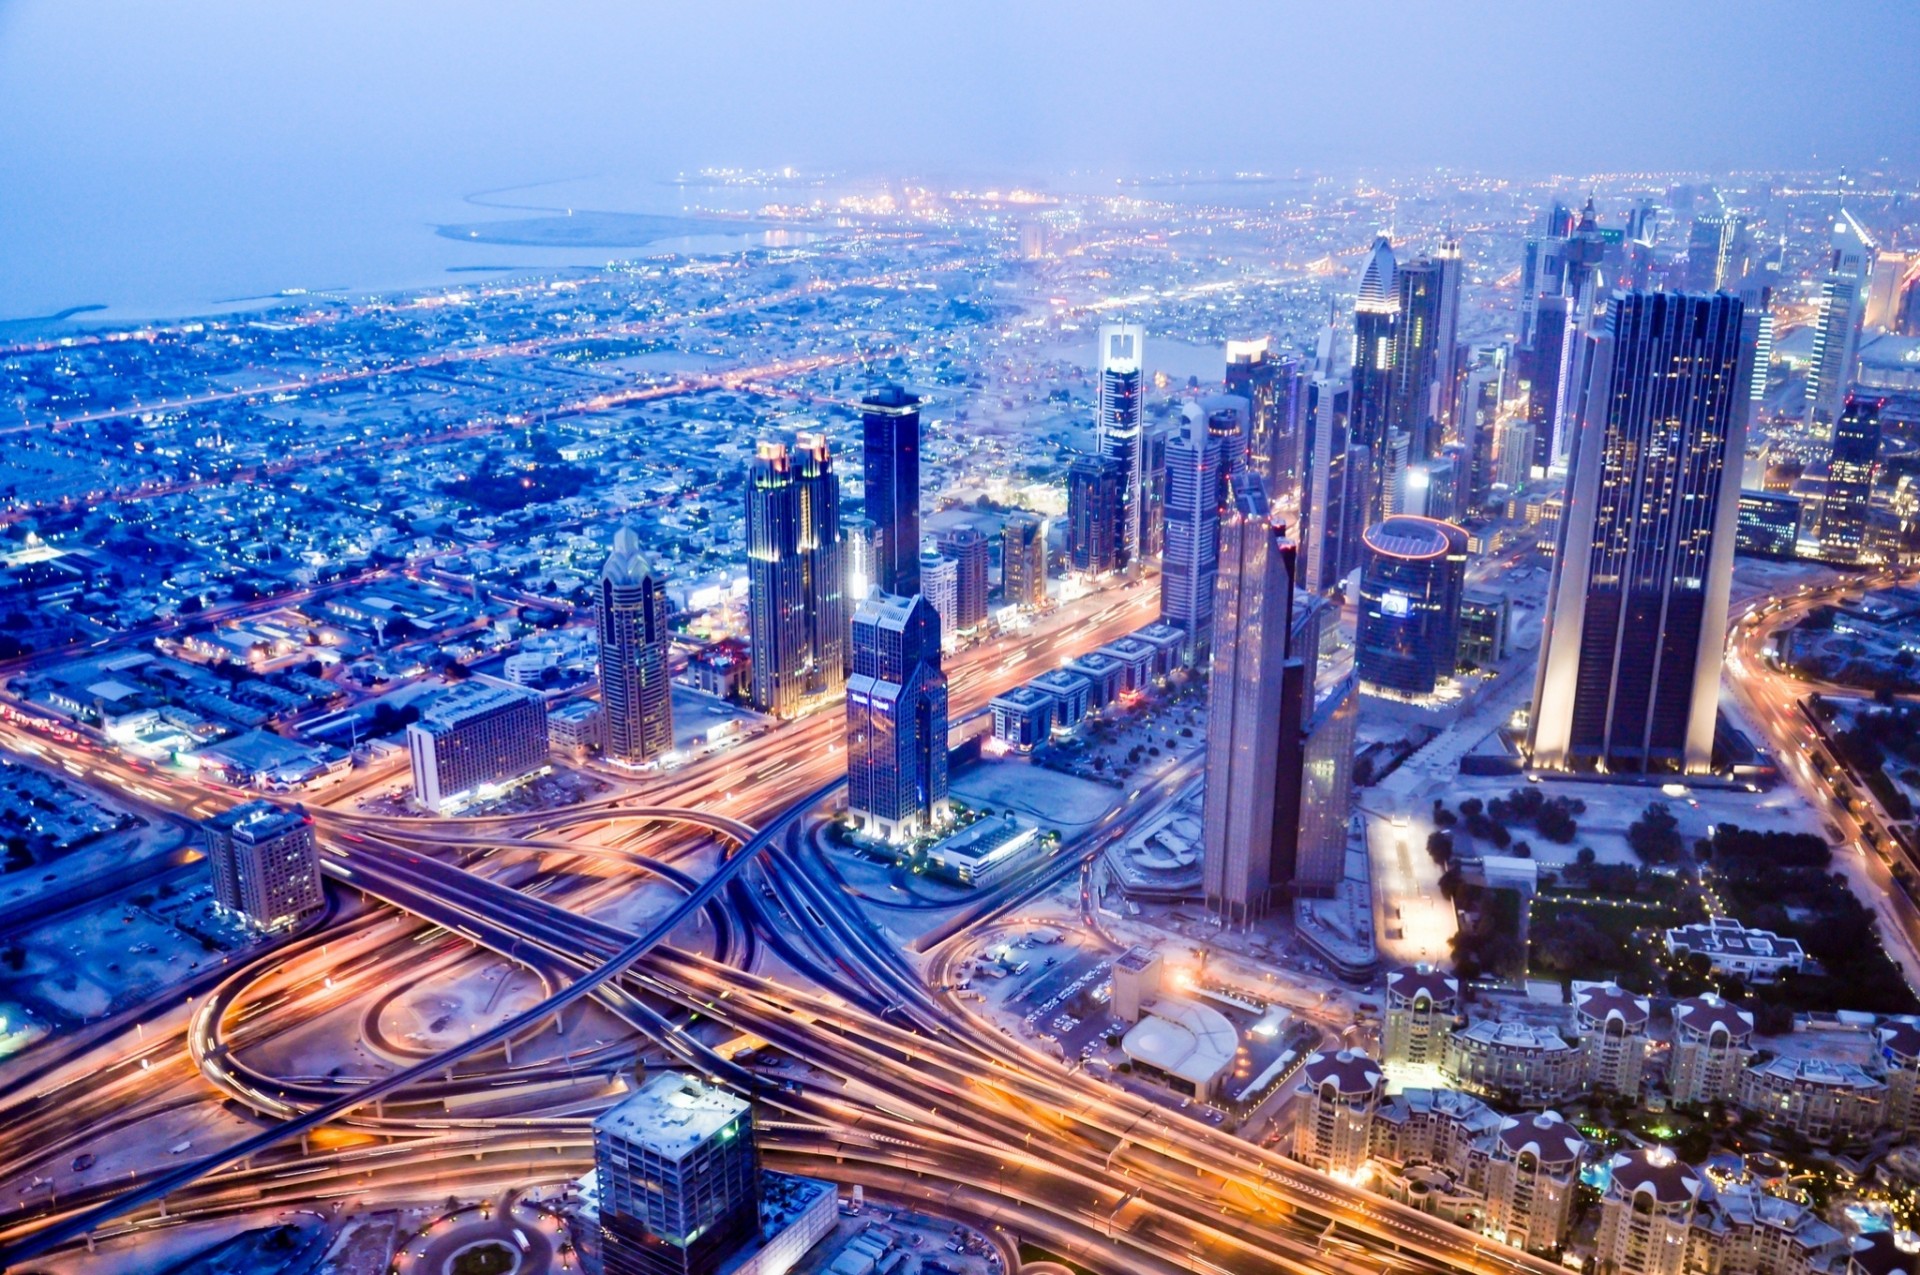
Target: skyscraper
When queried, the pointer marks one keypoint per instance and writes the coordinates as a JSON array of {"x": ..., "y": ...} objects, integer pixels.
[
  {"x": 1095, "y": 509},
  {"x": 1836, "y": 334},
  {"x": 1196, "y": 472},
  {"x": 797, "y": 613},
  {"x": 631, "y": 618},
  {"x": 265, "y": 865},
  {"x": 1446, "y": 341},
  {"x": 677, "y": 1173},
  {"x": 1023, "y": 560},
  {"x": 1410, "y": 587},
  {"x": 1629, "y": 671},
  {"x": 967, "y": 546},
  {"x": 1376, "y": 313},
  {"x": 940, "y": 577},
  {"x": 859, "y": 548},
  {"x": 1258, "y": 698},
  {"x": 1546, "y": 366},
  {"x": 1853, "y": 459},
  {"x": 890, "y": 418},
  {"x": 1413, "y": 405},
  {"x": 896, "y": 718},
  {"x": 1118, "y": 403},
  {"x": 1334, "y": 468}
]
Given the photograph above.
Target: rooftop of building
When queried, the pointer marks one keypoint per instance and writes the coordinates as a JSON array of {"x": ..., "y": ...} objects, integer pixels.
[
  {"x": 1184, "y": 1039},
  {"x": 471, "y": 697},
  {"x": 1412, "y": 537},
  {"x": 626, "y": 565},
  {"x": 672, "y": 1113},
  {"x": 1350, "y": 1071},
  {"x": 985, "y": 840},
  {"x": 1475, "y": 1116},
  {"x": 1506, "y": 1035},
  {"x": 1657, "y": 1172},
  {"x": 1724, "y": 936},
  {"x": 1545, "y": 1135},
  {"x": 1060, "y": 679},
  {"x": 259, "y": 819},
  {"x": 1901, "y": 1037},
  {"x": 1099, "y": 661},
  {"x": 1136, "y": 959},
  {"x": 1601, "y": 1002},
  {"x": 1415, "y": 982},
  {"x": 1819, "y": 1073},
  {"x": 1703, "y": 1013},
  {"x": 1027, "y": 696}
]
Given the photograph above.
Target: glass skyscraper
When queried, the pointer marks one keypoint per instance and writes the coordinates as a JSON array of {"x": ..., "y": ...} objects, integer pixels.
[
  {"x": 1630, "y": 656},
  {"x": 1853, "y": 460},
  {"x": 796, "y": 581},
  {"x": 1118, "y": 403},
  {"x": 631, "y": 619},
  {"x": 1410, "y": 584},
  {"x": 896, "y": 718},
  {"x": 890, "y": 419}
]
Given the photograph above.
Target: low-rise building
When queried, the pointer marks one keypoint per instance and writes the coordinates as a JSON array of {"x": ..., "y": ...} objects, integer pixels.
[
  {"x": 1136, "y": 657},
  {"x": 1712, "y": 1044},
  {"x": 1185, "y": 1045},
  {"x": 1023, "y": 718},
  {"x": 1824, "y": 1102},
  {"x": 477, "y": 738},
  {"x": 1515, "y": 1063},
  {"x": 1168, "y": 643},
  {"x": 1421, "y": 1004},
  {"x": 1105, "y": 676},
  {"x": 1758, "y": 956},
  {"x": 983, "y": 851},
  {"x": 265, "y": 864},
  {"x": 1071, "y": 696},
  {"x": 576, "y": 727},
  {"x": 1612, "y": 1023}
]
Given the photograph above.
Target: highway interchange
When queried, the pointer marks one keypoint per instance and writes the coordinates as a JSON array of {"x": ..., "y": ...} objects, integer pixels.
[{"x": 881, "y": 1078}]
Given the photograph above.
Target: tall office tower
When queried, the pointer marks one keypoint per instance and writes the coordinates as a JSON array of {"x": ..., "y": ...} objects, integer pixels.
[
  {"x": 1394, "y": 460},
  {"x": 1410, "y": 587},
  {"x": 859, "y": 547},
  {"x": 1892, "y": 269},
  {"x": 1333, "y": 466},
  {"x": 1326, "y": 787},
  {"x": 896, "y": 719},
  {"x": 1513, "y": 453},
  {"x": 796, "y": 580},
  {"x": 967, "y": 546},
  {"x": 1629, "y": 672},
  {"x": 265, "y": 865},
  {"x": 677, "y": 1172},
  {"x": 890, "y": 419},
  {"x": 1153, "y": 451},
  {"x": 1258, "y": 699},
  {"x": 1023, "y": 560},
  {"x": 1446, "y": 343},
  {"x": 480, "y": 735},
  {"x": 1547, "y": 367},
  {"x": 1413, "y": 406},
  {"x": 1476, "y": 422},
  {"x": 940, "y": 577},
  {"x": 1095, "y": 510},
  {"x": 635, "y": 693},
  {"x": 1119, "y": 399},
  {"x": 1586, "y": 250},
  {"x": 1276, "y": 393},
  {"x": 1836, "y": 334},
  {"x": 1543, "y": 267},
  {"x": 1756, "y": 317},
  {"x": 1719, "y": 252},
  {"x": 1854, "y": 457},
  {"x": 1370, "y": 413},
  {"x": 1196, "y": 474}
]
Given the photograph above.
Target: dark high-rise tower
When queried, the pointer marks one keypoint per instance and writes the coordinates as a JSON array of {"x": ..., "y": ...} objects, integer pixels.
[
  {"x": 1853, "y": 459},
  {"x": 796, "y": 581},
  {"x": 891, "y": 419},
  {"x": 1413, "y": 406},
  {"x": 896, "y": 718},
  {"x": 1119, "y": 398},
  {"x": 1410, "y": 587},
  {"x": 1376, "y": 314},
  {"x": 1629, "y": 674},
  {"x": 1546, "y": 365},
  {"x": 1023, "y": 560},
  {"x": 1197, "y": 471},
  {"x": 1095, "y": 507},
  {"x": 631, "y": 618}
]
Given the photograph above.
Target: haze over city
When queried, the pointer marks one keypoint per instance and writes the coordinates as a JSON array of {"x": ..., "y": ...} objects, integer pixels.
[{"x": 1092, "y": 638}]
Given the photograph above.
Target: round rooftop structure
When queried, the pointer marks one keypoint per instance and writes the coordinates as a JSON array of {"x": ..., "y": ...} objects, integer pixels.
[
  {"x": 1603, "y": 1003},
  {"x": 1546, "y": 1136},
  {"x": 1416, "y": 983},
  {"x": 1657, "y": 1173},
  {"x": 1413, "y": 537},
  {"x": 1703, "y": 1015},
  {"x": 1350, "y": 1072}
]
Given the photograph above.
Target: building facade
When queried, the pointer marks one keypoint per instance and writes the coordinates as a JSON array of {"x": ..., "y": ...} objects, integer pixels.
[
  {"x": 1853, "y": 461},
  {"x": 1095, "y": 512},
  {"x": 477, "y": 737},
  {"x": 1421, "y": 1005},
  {"x": 1119, "y": 400},
  {"x": 796, "y": 579},
  {"x": 1196, "y": 472},
  {"x": 1712, "y": 1044},
  {"x": 1414, "y": 573},
  {"x": 1629, "y": 672},
  {"x": 631, "y": 620},
  {"x": 678, "y": 1176},
  {"x": 967, "y": 547},
  {"x": 1612, "y": 1023},
  {"x": 1333, "y": 1111},
  {"x": 896, "y": 719},
  {"x": 265, "y": 864},
  {"x": 1023, "y": 561},
  {"x": 890, "y": 454}
]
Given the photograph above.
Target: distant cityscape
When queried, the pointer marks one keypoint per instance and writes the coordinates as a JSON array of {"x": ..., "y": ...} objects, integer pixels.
[{"x": 1367, "y": 726}]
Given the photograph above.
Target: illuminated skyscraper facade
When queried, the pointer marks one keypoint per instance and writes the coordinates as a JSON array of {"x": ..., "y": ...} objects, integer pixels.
[
  {"x": 1119, "y": 397},
  {"x": 1376, "y": 314},
  {"x": 896, "y": 718},
  {"x": 890, "y": 421},
  {"x": 1196, "y": 472},
  {"x": 1854, "y": 459},
  {"x": 1095, "y": 510},
  {"x": 1629, "y": 671},
  {"x": 1023, "y": 561},
  {"x": 1411, "y": 579},
  {"x": 1836, "y": 332},
  {"x": 631, "y": 620},
  {"x": 796, "y": 579}
]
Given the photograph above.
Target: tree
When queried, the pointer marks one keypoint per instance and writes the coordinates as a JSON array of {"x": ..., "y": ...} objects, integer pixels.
[
  {"x": 1655, "y": 835},
  {"x": 1584, "y": 857},
  {"x": 1440, "y": 847}
]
